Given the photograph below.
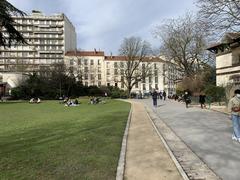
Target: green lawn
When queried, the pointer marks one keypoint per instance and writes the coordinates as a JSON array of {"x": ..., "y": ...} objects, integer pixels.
[{"x": 50, "y": 141}]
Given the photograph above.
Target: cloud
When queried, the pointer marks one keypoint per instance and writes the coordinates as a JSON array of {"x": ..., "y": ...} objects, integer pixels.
[{"x": 104, "y": 24}]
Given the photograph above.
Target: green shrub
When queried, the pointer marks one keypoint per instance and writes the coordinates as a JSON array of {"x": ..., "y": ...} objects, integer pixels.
[{"x": 215, "y": 93}]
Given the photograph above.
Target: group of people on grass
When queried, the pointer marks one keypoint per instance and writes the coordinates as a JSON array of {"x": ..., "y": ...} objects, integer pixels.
[
  {"x": 35, "y": 101},
  {"x": 69, "y": 102}
]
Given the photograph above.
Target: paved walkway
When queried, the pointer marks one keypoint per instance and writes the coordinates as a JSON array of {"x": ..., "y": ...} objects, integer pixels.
[
  {"x": 146, "y": 156},
  {"x": 206, "y": 132}
]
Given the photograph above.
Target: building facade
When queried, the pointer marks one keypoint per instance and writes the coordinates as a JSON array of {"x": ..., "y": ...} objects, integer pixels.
[
  {"x": 96, "y": 68},
  {"x": 48, "y": 38},
  {"x": 227, "y": 59}
]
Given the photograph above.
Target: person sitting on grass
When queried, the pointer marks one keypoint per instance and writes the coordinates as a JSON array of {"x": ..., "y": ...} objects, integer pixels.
[
  {"x": 31, "y": 100},
  {"x": 76, "y": 102},
  {"x": 38, "y": 100}
]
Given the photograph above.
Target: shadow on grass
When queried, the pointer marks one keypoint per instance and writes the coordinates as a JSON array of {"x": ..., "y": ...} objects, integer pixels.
[{"x": 12, "y": 102}]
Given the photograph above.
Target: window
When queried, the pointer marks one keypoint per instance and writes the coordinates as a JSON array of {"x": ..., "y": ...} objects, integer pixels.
[
  {"x": 86, "y": 76},
  {"x": 156, "y": 86},
  {"x": 86, "y": 83},
  {"x": 150, "y": 79},
  {"x": 85, "y": 62},
  {"x": 99, "y": 77},
  {"x": 115, "y": 64},
  {"x": 116, "y": 84},
  {"x": 108, "y": 71},
  {"x": 144, "y": 87},
  {"x": 115, "y": 71},
  {"x": 155, "y": 66},
  {"x": 108, "y": 84},
  {"x": 156, "y": 79},
  {"x": 150, "y": 87},
  {"x": 92, "y": 77},
  {"x": 92, "y": 62},
  {"x": 86, "y": 69},
  {"x": 108, "y": 64},
  {"x": 121, "y": 65},
  {"x": 25, "y": 54},
  {"x": 122, "y": 84},
  {"x": 99, "y": 83},
  {"x": 122, "y": 71},
  {"x": 136, "y": 85},
  {"x": 99, "y": 63}
]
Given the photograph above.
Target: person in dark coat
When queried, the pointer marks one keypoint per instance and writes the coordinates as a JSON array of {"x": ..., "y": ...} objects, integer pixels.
[
  {"x": 187, "y": 98},
  {"x": 160, "y": 95},
  {"x": 164, "y": 95},
  {"x": 202, "y": 100},
  {"x": 154, "y": 97}
]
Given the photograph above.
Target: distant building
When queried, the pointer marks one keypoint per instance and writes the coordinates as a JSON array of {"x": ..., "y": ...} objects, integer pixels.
[
  {"x": 172, "y": 76},
  {"x": 227, "y": 59},
  {"x": 49, "y": 37},
  {"x": 96, "y": 68}
]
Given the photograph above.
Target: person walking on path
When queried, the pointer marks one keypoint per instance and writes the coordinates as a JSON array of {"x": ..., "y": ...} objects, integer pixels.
[
  {"x": 154, "y": 97},
  {"x": 202, "y": 100},
  {"x": 164, "y": 95},
  {"x": 187, "y": 99},
  {"x": 234, "y": 109}
]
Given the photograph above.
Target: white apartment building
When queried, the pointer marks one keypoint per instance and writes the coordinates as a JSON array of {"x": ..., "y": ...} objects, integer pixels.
[
  {"x": 171, "y": 77},
  {"x": 227, "y": 59},
  {"x": 48, "y": 37},
  {"x": 98, "y": 69}
]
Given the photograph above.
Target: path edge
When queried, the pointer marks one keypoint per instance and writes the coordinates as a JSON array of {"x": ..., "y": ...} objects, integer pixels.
[
  {"x": 174, "y": 159},
  {"x": 122, "y": 158}
]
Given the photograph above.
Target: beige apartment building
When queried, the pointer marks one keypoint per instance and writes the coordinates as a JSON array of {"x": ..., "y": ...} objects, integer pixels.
[
  {"x": 96, "y": 68},
  {"x": 227, "y": 59},
  {"x": 48, "y": 37}
]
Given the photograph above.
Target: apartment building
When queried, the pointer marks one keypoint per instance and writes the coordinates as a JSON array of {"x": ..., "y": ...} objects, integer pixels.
[
  {"x": 48, "y": 37},
  {"x": 227, "y": 59},
  {"x": 96, "y": 68},
  {"x": 172, "y": 76}
]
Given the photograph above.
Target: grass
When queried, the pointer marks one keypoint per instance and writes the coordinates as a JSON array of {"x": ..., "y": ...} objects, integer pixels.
[{"x": 50, "y": 141}]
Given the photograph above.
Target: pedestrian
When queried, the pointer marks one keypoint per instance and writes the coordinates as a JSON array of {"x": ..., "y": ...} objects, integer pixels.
[
  {"x": 202, "y": 100},
  {"x": 164, "y": 95},
  {"x": 154, "y": 97},
  {"x": 160, "y": 95},
  {"x": 234, "y": 109},
  {"x": 187, "y": 99}
]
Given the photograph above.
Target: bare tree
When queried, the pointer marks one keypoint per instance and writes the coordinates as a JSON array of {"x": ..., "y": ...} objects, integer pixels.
[
  {"x": 184, "y": 42},
  {"x": 7, "y": 23},
  {"x": 222, "y": 14},
  {"x": 135, "y": 67}
]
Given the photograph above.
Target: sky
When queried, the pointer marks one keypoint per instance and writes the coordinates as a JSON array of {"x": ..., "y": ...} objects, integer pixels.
[{"x": 103, "y": 24}]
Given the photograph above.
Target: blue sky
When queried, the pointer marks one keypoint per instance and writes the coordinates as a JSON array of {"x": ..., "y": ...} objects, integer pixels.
[{"x": 103, "y": 24}]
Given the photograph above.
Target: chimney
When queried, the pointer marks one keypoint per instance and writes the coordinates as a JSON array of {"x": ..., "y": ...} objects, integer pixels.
[
  {"x": 95, "y": 51},
  {"x": 111, "y": 55}
]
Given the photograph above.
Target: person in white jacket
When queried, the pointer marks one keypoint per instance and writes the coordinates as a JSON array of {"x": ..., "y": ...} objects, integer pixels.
[{"x": 234, "y": 109}]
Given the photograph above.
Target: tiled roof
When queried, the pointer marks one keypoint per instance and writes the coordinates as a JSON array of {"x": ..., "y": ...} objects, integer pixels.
[
  {"x": 109, "y": 58},
  {"x": 84, "y": 53},
  {"x": 124, "y": 58}
]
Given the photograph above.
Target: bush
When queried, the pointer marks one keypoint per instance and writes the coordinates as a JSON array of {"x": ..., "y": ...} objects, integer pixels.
[{"x": 216, "y": 93}]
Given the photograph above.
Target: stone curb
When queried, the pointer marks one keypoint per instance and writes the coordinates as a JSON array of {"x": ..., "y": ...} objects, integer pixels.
[
  {"x": 122, "y": 158},
  {"x": 179, "y": 167}
]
